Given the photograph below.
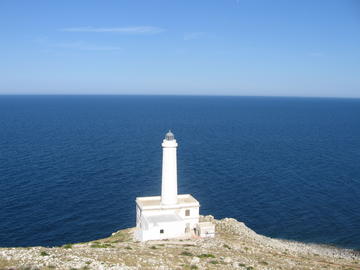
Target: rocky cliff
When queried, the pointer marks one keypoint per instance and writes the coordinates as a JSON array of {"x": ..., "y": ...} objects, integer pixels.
[{"x": 234, "y": 247}]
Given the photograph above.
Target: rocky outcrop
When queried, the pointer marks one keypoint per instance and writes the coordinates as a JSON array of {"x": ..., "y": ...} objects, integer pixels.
[{"x": 234, "y": 247}]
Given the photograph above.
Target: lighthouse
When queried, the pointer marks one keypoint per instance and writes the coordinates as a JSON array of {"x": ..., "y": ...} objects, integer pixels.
[
  {"x": 170, "y": 215},
  {"x": 169, "y": 170}
]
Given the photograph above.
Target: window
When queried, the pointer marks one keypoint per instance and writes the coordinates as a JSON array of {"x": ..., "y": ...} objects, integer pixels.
[
  {"x": 162, "y": 231},
  {"x": 187, "y": 212}
]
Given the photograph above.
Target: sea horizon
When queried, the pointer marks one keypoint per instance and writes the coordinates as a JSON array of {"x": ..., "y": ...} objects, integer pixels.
[{"x": 175, "y": 95}]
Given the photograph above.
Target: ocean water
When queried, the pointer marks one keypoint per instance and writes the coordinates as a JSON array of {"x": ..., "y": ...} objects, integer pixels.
[{"x": 71, "y": 166}]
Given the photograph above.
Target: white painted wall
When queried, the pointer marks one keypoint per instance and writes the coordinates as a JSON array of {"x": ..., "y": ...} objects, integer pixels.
[
  {"x": 171, "y": 230},
  {"x": 206, "y": 229},
  {"x": 169, "y": 173},
  {"x": 147, "y": 231},
  {"x": 193, "y": 219}
]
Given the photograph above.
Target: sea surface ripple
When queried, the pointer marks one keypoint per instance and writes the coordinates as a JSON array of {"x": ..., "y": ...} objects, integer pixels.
[{"x": 71, "y": 166}]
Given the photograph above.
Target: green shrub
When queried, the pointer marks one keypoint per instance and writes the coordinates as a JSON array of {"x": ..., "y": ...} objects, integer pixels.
[
  {"x": 67, "y": 246},
  {"x": 43, "y": 253},
  {"x": 206, "y": 256},
  {"x": 186, "y": 253},
  {"x": 227, "y": 246},
  {"x": 99, "y": 245}
]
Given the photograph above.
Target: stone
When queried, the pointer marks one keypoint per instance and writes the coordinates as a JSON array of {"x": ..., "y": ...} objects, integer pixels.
[
  {"x": 248, "y": 251},
  {"x": 195, "y": 260}
]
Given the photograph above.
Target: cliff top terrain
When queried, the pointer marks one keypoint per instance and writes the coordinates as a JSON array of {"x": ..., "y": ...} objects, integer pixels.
[{"x": 234, "y": 247}]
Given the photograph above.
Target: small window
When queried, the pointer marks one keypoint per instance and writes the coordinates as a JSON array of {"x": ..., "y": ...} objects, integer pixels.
[
  {"x": 187, "y": 212},
  {"x": 161, "y": 231}
]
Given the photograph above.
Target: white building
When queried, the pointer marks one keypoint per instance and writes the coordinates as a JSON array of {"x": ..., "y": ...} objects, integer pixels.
[{"x": 169, "y": 215}]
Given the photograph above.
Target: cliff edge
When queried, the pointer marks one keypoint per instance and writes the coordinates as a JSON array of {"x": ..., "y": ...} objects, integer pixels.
[{"x": 234, "y": 247}]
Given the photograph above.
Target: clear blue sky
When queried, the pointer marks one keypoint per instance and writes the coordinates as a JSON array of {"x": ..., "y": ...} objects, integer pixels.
[{"x": 219, "y": 47}]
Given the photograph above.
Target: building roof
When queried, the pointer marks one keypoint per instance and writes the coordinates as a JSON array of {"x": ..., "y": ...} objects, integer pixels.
[{"x": 154, "y": 202}]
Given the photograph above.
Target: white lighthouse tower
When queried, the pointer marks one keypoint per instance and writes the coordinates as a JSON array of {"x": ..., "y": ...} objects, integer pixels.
[
  {"x": 169, "y": 215},
  {"x": 169, "y": 170}
]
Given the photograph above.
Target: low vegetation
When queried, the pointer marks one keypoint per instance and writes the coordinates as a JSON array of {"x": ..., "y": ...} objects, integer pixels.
[
  {"x": 101, "y": 245},
  {"x": 67, "y": 246},
  {"x": 226, "y": 246},
  {"x": 234, "y": 247},
  {"x": 44, "y": 253},
  {"x": 206, "y": 256},
  {"x": 186, "y": 253}
]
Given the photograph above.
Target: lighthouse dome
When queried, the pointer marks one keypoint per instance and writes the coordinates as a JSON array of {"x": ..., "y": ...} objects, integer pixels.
[{"x": 169, "y": 136}]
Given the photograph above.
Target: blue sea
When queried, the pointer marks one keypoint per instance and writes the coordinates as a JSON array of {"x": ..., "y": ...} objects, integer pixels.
[{"x": 71, "y": 166}]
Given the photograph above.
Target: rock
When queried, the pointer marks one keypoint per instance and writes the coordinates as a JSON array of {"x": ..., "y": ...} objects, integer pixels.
[
  {"x": 235, "y": 247},
  {"x": 195, "y": 260}
]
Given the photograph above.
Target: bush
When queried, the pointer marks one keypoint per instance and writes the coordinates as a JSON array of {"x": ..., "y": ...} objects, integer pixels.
[
  {"x": 186, "y": 253},
  {"x": 227, "y": 246},
  {"x": 206, "y": 256},
  {"x": 99, "y": 245},
  {"x": 43, "y": 253}
]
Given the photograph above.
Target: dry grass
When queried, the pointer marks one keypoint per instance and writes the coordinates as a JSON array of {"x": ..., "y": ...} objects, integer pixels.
[{"x": 227, "y": 251}]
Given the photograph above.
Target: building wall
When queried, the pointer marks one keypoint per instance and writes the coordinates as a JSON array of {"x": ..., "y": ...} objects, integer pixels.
[
  {"x": 194, "y": 212},
  {"x": 193, "y": 219},
  {"x": 138, "y": 216},
  {"x": 206, "y": 229},
  {"x": 172, "y": 229}
]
